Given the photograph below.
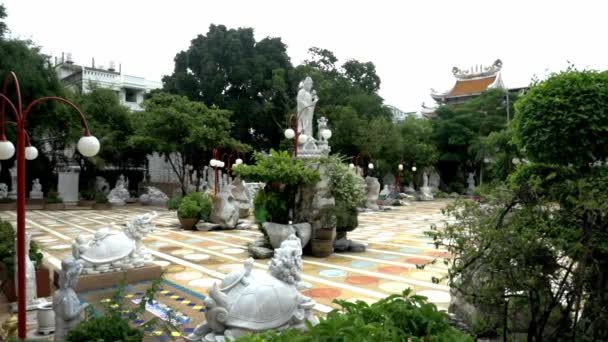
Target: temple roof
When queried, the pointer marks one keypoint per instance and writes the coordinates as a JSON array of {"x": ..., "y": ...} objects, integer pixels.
[{"x": 473, "y": 81}]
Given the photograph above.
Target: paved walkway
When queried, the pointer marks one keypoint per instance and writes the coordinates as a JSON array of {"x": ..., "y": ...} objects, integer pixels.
[{"x": 195, "y": 260}]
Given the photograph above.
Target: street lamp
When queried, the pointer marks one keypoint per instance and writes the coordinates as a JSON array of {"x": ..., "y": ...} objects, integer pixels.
[
  {"x": 88, "y": 146},
  {"x": 290, "y": 133}
]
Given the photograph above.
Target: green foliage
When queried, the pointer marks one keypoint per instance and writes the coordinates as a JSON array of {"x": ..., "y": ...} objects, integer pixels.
[
  {"x": 101, "y": 198},
  {"x": 8, "y": 252},
  {"x": 184, "y": 131},
  {"x": 346, "y": 217},
  {"x": 3, "y": 27},
  {"x": 188, "y": 208},
  {"x": 88, "y": 195},
  {"x": 173, "y": 203},
  {"x": 395, "y": 318},
  {"x": 203, "y": 201},
  {"x": 564, "y": 118},
  {"x": 53, "y": 197},
  {"x": 114, "y": 325},
  {"x": 347, "y": 188},
  {"x": 270, "y": 206},
  {"x": 228, "y": 68},
  {"x": 278, "y": 167}
]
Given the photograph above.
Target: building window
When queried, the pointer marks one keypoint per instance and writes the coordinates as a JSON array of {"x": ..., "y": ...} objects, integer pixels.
[{"x": 130, "y": 95}]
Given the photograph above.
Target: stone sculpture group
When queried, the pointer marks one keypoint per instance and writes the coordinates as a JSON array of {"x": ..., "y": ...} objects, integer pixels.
[
  {"x": 111, "y": 250},
  {"x": 120, "y": 194},
  {"x": 248, "y": 301}
]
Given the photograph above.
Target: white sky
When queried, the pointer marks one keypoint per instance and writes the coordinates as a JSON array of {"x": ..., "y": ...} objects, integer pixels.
[{"x": 414, "y": 44}]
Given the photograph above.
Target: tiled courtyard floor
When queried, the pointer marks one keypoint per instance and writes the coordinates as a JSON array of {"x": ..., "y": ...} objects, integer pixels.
[{"x": 195, "y": 260}]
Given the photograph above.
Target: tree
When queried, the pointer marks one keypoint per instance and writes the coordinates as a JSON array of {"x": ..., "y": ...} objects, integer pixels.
[
  {"x": 362, "y": 74},
  {"x": 229, "y": 69},
  {"x": 183, "y": 131},
  {"x": 552, "y": 216},
  {"x": 3, "y": 27},
  {"x": 459, "y": 128},
  {"x": 564, "y": 119},
  {"x": 48, "y": 121}
]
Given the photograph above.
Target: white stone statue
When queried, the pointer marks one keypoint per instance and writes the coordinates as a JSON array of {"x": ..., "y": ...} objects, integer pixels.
[
  {"x": 66, "y": 304},
  {"x": 30, "y": 275},
  {"x": 434, "y": 181},
  {"x": 373, "y": 192},
  {"x": 3, "y": 191},
  {"x": 120, "y": 193},
  {"x": 13, "y": 193},
  {"x": 249, "y": 302},
  {"x": 426, "y": 192},
  {"x": 102, "y": 185},
  {"x": 111, "y": 250},
  {"x": 36, "y": 189},
  {"x": 153, "y": 197},
  {"x": 471, "y": 183},
  {"x": 307, "y": 100}
]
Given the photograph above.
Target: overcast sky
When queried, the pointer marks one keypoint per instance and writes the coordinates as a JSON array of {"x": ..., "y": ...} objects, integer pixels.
[{"x": 414, "y": 44}]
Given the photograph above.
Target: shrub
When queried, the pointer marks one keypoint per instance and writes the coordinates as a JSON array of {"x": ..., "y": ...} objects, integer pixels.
[
  {"x": 270, "y": 207},
  {"x": 101, "y": 198},
  {"x": 8, "y": 252},
  {"x": 188, "y": 208},
  {"x": 114, "y": 324},
  {"x": 204, "y": 202},
  {"x": 53, "y": 197},
  {"x": 88, "y": 195},
  {"x": 456, "y": 187},
  {"x": 173, "y": 203},
  {"x": 344, "y": 185},
  {"x": 395, "y": 318}
]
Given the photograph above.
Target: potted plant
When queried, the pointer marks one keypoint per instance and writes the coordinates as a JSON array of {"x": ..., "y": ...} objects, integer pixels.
[
  {"x": 7, "y": 204},
  {"x": 7, "y": 264},
  {"x": 53, "y": 201},
  {"x": 173, "y": 203},
  {"x": 87, "y": 198},
  {"x": 101, "y": 202},
  {"x": 188, "y": 213}
]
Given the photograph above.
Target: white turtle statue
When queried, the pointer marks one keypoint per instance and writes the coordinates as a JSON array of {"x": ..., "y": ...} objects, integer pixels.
[
  {"x": 111, "y": 250},
  {"x": 250, "y": 302}
]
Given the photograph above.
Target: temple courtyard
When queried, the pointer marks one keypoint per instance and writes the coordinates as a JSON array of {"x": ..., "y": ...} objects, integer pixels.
[{"x": 194, "y": 260}]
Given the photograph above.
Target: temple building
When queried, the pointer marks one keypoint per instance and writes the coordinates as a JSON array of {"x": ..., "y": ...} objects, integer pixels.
[{"x": 470, "y": 83}]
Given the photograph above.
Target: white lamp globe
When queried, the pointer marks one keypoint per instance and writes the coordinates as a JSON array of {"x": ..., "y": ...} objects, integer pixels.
[
  {"x": 516, "y": 161},
  {"x": 220, "y": 164},
  {"x": 289, "y": 133},
  {"x": 303, "y": 139},
  {"x": 414, "y": 168},
  {"x": 212, "y": 162},
  {"x": 7, "y": 150},
  {"x": 88, "y": 146},
  {"x": 370, "y": 166},
  {"x": 31, "y": 153},
  {"x": 400, "y": 167},
  {"x": 351, "y": 166},
  {"x": 326, "y": 134},
  {"x": 238, "y": 161}
]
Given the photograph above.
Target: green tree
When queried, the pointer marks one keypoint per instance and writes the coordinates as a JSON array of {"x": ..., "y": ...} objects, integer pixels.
[
  {"x": 3, "y": 27},
  {"x": 112, "y": 123},
  {"x": 229, "y": 69},
  {"x": 458, "y": 130},
  {"x": 185, "y": 132},
  {"x": 552, "y": 215}
]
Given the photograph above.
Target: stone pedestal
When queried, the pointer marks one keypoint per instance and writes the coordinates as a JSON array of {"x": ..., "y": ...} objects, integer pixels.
[
  {"x": 67, "y": 186},
  {"x": 106, "y": 280}
]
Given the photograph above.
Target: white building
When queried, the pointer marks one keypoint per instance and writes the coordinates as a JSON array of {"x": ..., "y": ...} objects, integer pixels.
[
  {"x": 398, "y": 114},
  {"x": 129, "y": 89}
]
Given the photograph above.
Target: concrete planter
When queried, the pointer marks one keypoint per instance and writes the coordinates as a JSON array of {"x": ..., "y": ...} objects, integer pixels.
[
  {"x": 102, "y": 206},
  {"x": 43, "y": 284},
  {"x": 8, "y": 206},
  {"x": 86, "y": 203}
]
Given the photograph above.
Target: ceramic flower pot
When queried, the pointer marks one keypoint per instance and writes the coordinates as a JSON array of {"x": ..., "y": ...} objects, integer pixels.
[
  {"x": 188, "y": 223},
  {"x": 46, "y": 319}
]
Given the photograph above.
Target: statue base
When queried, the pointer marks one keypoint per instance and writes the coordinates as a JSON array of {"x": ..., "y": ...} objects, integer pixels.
[
  {"x": 426, "y": 194},
  {"x": 107, "y": 280},
  {"x": 30, "y": 306},
  {"x": 36, "y": 195}
]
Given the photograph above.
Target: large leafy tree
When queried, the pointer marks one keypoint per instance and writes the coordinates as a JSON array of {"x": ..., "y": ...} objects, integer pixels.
[
  {"x": 458, "y": 130},
  {"x": 49, "y": 123},
  {"x": 183, "y": 131},
  {"x": 552, "y": 215},
  {"x": 113, "y": 124},
  {"x": 229, "y": 69}
]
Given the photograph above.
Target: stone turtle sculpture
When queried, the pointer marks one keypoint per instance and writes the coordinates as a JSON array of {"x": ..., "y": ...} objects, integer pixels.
[{"x": 254, "y": 302}]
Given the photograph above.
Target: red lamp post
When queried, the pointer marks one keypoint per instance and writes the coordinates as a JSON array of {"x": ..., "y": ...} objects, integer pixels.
[
  {"x": 216, "y": 163},
  {"x": 88, "y": 146},
  {"x": 398, "y": 178}
]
